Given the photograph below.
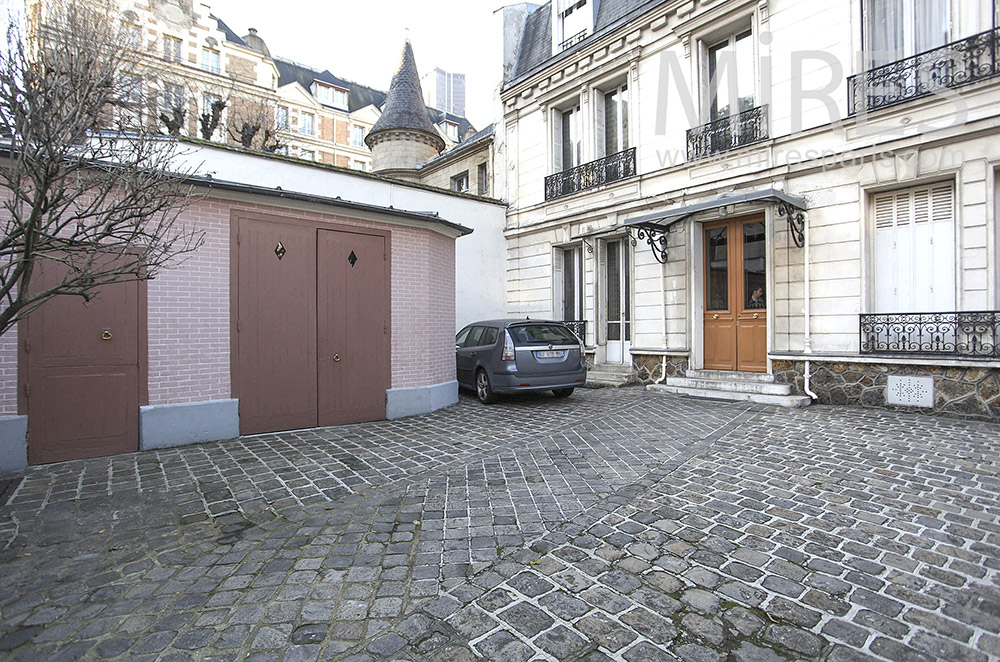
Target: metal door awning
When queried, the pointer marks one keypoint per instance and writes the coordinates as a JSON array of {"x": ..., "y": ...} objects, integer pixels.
[{"x": 653, "y": 227}]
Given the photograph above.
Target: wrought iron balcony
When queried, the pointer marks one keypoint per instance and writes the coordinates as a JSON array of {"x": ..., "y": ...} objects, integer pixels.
[
  {"x": 571, "y": 41},
  {"x": 961, "y": 334},
  {"x": 579, "y": 327},
  {"x": 962, "y": 62},
  {"x": 727, "y": 133},
  {"x": 589, "y": 175}
]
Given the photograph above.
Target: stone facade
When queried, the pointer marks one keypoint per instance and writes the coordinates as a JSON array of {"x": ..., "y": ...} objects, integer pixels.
[
  {"x": 966, "y": 392},
  {"x": 648, "y": 368},
  {"x": 399, "y": 153}
]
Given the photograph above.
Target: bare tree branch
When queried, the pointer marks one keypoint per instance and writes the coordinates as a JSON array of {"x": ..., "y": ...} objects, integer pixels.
[{"x": 82, "y": 181}]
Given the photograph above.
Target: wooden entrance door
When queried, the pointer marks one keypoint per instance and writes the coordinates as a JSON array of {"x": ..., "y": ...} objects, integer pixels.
[
  {"x": 312, "y": 334},
  {"x": 735, "y": 295},
  {"x": 353, "y": 327},
  {"x": 82, "y": 377}
]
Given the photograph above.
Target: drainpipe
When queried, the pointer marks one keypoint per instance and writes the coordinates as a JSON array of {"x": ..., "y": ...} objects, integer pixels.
[
  {"x": 663, "y": 321},
  {"x": 807, "y": 339}
]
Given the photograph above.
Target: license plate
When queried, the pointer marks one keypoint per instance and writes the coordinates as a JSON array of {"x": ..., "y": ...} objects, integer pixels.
[{"x": 549, "y": 354}]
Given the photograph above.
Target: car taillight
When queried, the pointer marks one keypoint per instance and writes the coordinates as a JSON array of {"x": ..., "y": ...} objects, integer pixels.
[{"x": 508, "y": 347}]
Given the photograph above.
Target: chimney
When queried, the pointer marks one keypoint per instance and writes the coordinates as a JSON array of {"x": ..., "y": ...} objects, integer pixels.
[{"x": 514, "y": 17}]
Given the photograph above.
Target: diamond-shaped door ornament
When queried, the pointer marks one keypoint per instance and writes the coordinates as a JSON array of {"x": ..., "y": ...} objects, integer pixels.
[
  {"x": 279, "y": 250},
  {"x": 353, "y": 259}
]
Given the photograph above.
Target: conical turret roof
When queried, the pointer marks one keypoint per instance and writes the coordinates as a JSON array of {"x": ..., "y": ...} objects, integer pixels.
[{"x": 404, "y": 103}]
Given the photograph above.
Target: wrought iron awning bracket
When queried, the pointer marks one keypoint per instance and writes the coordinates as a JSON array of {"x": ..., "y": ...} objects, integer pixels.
[
  {"x": 590, "y": 246},
  {"x": 796, "y": 221},
  {"x": 628, "y": 231},
  {"x": 656, "y": 237}
]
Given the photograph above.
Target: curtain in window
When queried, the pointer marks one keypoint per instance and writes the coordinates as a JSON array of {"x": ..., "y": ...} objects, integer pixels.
[
  {"x": 931, "y": 24},
  {"x": 884, "y": 19}
]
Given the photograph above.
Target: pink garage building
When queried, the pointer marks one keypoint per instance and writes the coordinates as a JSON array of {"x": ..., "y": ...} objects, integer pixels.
[{"x": 301, "y": 309}]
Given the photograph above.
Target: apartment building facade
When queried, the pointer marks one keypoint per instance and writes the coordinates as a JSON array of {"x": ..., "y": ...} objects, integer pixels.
[{"x": 775, "y": 191}]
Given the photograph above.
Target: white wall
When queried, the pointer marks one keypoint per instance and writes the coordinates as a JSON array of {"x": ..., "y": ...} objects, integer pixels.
[{"x": 480, "y": 257}]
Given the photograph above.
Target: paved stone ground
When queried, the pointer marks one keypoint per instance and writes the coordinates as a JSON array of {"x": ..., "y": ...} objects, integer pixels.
[{"x": 615, "y": 525}]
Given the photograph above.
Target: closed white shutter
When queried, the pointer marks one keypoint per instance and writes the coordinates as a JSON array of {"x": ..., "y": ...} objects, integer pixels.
[
  {"x": 915, "y": 250},
  {"x": 558, "y": 283},
  {"x": 557, "y": 146},
  {"x": 600, "y": 138}
]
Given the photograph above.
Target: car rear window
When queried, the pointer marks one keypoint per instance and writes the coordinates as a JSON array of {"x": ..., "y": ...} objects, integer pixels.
[{"x": 542, "y": 334}]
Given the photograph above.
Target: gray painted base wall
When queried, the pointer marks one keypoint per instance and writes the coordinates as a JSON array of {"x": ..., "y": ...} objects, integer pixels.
[
  {"x": 13, "y": 443},
  {"x": 167, "y": 426},
  {"x": 415, "y": 400}
]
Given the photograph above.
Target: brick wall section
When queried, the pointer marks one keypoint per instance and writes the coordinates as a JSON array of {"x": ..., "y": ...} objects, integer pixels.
[
  {"x": 8, "y": 373},
  {"x": 423, "y": 308},
  {"x": 189, "y": 316},
  {"x": 189, "y": 311}
]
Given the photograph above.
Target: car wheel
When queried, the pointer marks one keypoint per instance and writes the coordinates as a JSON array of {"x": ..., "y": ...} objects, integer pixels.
[
  {"x": 483, "y": 389},
  {"x": 562, "y": 392}
]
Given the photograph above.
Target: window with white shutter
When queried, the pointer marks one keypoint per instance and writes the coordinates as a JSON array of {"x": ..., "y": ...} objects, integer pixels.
[{"x": 915, "y": 249}]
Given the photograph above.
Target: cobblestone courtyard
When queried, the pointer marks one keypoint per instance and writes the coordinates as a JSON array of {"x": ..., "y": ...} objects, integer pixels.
[{"x": 613, "y": 525}]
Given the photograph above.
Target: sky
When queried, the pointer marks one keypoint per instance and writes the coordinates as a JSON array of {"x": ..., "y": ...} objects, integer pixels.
[{"x": 361, "y": 40}]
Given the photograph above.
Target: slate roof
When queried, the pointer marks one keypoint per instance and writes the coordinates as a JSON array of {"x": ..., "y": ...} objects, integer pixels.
[
  {"x": 479, "y": 136},
  {"x": 404, "y": 104},
  {"x": 358, "y": 95},
  {"x": 536, "y": 40},
  {"x": 230, "y": 35},
  {"x": 439, "y": 116}
]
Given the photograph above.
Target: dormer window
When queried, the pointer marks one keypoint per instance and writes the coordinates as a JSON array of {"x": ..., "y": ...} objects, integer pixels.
[
  {"x": 330, "y": 95},
  {"x": 574, "y": 21},
  {"x": 450, "y": 130}
]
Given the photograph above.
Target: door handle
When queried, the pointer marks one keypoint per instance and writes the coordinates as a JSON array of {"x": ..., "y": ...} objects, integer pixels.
[
  {"x": 715, "y": 316},
  {"x": 755, "y": 315},
  {"x": 106, "y": 335},
  {"x": 336, "y": 358},
  {"x": 472, "y": 353}
]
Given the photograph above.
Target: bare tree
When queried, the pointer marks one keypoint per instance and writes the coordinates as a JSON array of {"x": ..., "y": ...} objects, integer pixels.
[
  {"x": 252, "y": 124},
  {"x": 84, "y": 186}
]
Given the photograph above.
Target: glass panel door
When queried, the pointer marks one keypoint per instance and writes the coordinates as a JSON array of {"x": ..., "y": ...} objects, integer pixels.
[{"x": 617, "y": 303}]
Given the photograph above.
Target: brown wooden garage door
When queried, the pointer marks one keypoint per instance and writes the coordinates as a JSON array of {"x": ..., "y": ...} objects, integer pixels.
[
  {"x": 82, "y": 376},
  {"x": 312, "y": 329}
]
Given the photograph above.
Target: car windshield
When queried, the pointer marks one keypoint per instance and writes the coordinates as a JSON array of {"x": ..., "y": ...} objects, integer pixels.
[{"x": 542, "y": 334}]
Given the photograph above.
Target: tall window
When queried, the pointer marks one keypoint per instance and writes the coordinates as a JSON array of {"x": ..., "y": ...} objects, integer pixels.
[
  {"x": 451, "y": 130},
  {"x": 915, "y": 249},
  {"x": 611, "y": 119},
  {"x": 575, "y": 21},
  {"x": 281, "y": 117},
  {"x": 731, "y": 76},
  {"x": 307, "y": 155},
  {"x": 210, "y": 60},
  {"x": 460, "y": 182},
  {"x": 484, "y": 184},
  {"x": 896, "y": 29},
  {"x": 171, "y": 48},
  {"x": 567, "y": 135},
  {"x": 569, "y": 268},
  {"x": 173, "y": 97},
  {"x": 357, "y": 135},
  {"x": 306, "y": 123},
  {"x": 133, "y": 36},
  {"x": 339, "y": 98}
]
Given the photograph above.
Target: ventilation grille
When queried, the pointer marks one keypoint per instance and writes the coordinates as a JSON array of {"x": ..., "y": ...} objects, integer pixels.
[{"x": 911, "y": 391}]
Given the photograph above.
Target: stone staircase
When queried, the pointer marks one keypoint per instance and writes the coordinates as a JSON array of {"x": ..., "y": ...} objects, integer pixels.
[
  {"x": 606, "y": 375},
  {"x": 724, "y": 385}
]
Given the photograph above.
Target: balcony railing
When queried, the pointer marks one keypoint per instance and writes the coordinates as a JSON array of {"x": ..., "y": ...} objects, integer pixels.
[
  {"x": 571, "y": 41},
  {"x": 589, "y": 175},
  {"x": 727, "y": 133},
  {"x": 959, "y": 63},
  {"x": 961, "y": 334},
  {"x": 579, "y": 327}
]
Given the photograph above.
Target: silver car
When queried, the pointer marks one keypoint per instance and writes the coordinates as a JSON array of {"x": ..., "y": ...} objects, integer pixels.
[{"x": 511, "y": 356}]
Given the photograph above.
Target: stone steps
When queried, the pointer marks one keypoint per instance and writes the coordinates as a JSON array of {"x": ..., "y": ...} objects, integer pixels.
[
  {"x": 734, "y": 386},
  {"x": 609, "y": 376}
]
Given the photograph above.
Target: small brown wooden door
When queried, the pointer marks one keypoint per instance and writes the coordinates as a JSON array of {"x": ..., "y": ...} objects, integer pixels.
[
  {"x": 82, "y": 379},
  {"x": 276, "y": 308},
  {"x": 735, "y": 308},
  {"x": 312, "y": 328},
  {"x": 353, "y": 327}
]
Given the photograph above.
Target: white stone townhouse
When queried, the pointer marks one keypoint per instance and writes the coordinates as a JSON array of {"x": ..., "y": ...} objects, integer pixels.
[{"x": 766, "y": 196}]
